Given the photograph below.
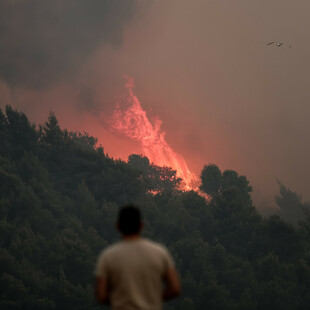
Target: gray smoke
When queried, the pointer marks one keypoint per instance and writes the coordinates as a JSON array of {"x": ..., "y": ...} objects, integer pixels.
[
  {"x": 203, "y": 67},
  {"x": 44, "y": 41}
]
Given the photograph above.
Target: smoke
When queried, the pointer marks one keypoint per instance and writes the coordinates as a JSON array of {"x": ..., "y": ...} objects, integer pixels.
[
  {"x": 66, "y": 57},
  {"x": 202, "y": 66},
  {"x": 42, "y": 42},
  {"x": 133, "y": 122}
]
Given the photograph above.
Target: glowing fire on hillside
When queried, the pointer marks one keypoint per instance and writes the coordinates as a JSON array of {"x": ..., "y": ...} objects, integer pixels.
[{"x": 134, "y": 123}]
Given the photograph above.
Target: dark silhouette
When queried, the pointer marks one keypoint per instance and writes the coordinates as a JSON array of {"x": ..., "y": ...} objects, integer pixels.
[
  {"x": 156, "y": 179},
  {"x": 130, "y": 273}
]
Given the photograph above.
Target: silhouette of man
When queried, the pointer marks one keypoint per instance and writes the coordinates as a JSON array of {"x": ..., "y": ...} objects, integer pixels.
[{"x": 135, "y": 273}]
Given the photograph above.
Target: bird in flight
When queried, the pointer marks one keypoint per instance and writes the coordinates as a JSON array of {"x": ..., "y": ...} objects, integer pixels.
[{"x": 278, "y": 44}]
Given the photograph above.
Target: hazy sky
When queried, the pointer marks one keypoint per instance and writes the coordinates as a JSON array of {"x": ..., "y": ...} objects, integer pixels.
[{"x": 201, "y": 66}]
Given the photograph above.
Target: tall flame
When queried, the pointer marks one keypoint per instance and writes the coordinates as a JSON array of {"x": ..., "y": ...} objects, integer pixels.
[{"x": 134, "y": 123}]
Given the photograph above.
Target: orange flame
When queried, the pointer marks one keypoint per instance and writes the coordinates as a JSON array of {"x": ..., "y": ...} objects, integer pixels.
[{"x": 134, "y": 123}]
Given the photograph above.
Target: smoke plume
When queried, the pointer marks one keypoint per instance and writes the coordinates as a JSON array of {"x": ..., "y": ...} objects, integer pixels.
[
  {"x": 135, "y": 124},
  {"x": 42, "y": 42}
]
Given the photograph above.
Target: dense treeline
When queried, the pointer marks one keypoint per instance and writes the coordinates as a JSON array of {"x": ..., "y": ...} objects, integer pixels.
[{"x": 59, "y": 198}]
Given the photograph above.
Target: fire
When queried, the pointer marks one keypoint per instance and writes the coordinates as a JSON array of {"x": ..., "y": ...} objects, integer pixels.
[{"x": 134, "y": 123}]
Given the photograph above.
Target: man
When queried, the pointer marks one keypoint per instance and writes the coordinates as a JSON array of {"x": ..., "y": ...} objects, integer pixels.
[{"x": 135, "y": 273}]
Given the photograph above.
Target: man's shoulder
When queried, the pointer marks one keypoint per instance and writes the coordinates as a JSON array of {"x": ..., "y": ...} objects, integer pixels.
[
  {"x": 111, "y": 249},
  {"x": 121, "y": 246},
  {"x": 159, "y": 252},
  {"x": 156, "y": 246}
]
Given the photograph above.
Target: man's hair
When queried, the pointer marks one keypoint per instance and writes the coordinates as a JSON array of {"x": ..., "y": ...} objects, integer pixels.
[{"x": 129, "y": 220}]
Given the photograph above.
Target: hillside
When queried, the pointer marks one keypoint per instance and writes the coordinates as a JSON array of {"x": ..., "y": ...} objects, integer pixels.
[{"x": 59, "y": 196}]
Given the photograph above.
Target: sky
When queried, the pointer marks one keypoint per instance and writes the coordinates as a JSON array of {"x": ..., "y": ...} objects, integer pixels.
[{"x": 203, "y": 67}]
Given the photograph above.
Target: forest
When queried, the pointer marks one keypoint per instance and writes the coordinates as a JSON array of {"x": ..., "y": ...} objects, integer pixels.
[{"x": 59, "y": 197}]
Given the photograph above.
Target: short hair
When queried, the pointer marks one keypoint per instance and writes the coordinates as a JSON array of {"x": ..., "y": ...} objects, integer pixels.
[{"x": 129, "y": 220}]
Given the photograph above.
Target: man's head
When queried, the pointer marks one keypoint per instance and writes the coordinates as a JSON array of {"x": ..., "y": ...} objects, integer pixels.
[{"x": 129, "y": 220}]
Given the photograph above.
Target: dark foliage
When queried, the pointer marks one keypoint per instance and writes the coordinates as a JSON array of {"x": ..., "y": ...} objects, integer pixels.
[
  {"x": 59, "y": 196},
  {"x": 291, "y": 208},
  {"x": 156, "y": 180}
]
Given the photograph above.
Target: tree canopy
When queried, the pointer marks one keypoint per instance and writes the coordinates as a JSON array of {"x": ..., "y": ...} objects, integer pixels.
[{"x": 59, "y": 197}]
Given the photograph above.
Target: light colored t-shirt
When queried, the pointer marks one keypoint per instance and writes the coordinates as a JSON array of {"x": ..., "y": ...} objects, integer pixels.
[{"x": 134, "y": 271}]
